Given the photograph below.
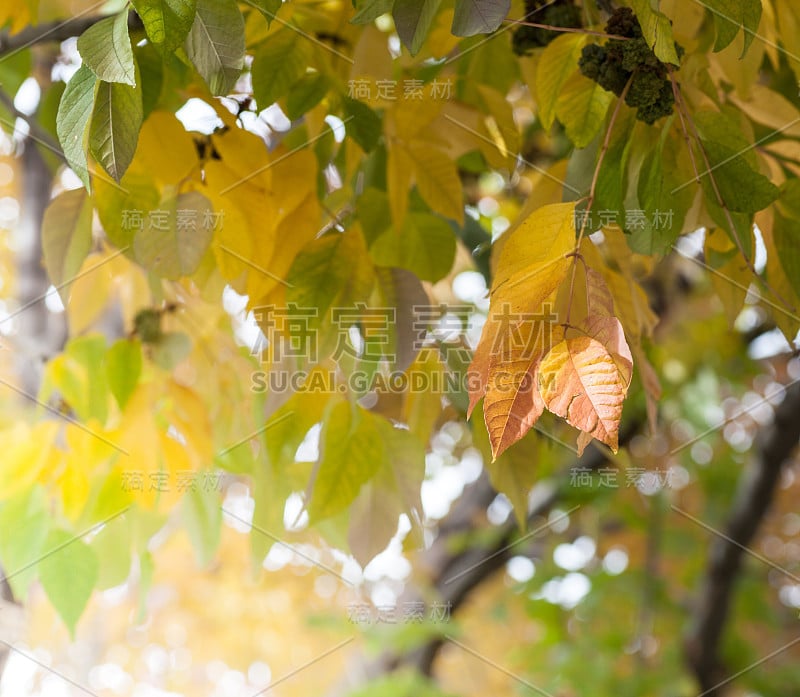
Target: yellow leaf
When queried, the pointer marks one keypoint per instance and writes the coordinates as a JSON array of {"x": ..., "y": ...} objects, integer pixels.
[
  {"x": 631, "y": 303},
  {"x": 86, "y": 454},
  {"x": 165, "y": 150},
  {"x": 729, "y": 273},
  {"x": 499, "y": 125},
  {"x": 294, "y": 180},
  {"x": 89, "y": 293},
  {"x": 17, "y": 13},
  {"x": 246, "y": 217},
  {"x": 771, "y": 109},
  {"x": 741, "y": 71},
  {"x": 399, "y": 167},
  {"x": 786, "y": 320},
  {"x": 556, "y": 64},
  {"x": 581, "y": 107},
  {"x": 421, "y": 408},
  {"x": 28, "y": 454},
  {"x": 580, "y": 380},
  {"x": 409, "y": 117},
  {"x": 437, "y": 180},
  {"x": 533, "y": 260},
  {"x": 295, "y": 231}
]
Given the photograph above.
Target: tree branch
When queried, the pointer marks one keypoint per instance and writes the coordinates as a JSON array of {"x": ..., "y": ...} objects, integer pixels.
[
  {"x": 755, "y": 495},
  {"x": 58, "y": 30},
  {"x": 35, "y": 130}
]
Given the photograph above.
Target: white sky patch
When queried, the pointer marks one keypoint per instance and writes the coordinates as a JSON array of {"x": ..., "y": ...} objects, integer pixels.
[
  {"x": 274, "y": 117},
  {"x": 293, "y": 519},
  {"x": 520, "y": 569},
  {"x": 308, "y": 450},
  {"x": 576, "y": 555},
  {"x": 197, "y": 115},
  {"x": 768, "y": 344},
  {"x": 470, "y": 286},
  {"x": 53, "y": 301},
  {"x": 241, "y": 506},
  {"x": 337, "y": 126},
  {"x": 28, "y": 96}
]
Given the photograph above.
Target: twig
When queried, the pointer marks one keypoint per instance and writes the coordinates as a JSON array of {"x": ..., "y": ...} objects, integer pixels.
[
  {"x": 571, "y": 30},
  {"x": 593, "y": 190},
  {"x": 57, "y": 30}
]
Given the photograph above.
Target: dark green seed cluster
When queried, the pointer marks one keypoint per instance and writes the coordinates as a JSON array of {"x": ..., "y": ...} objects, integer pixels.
[
  {"x": 562, "y": 13},
  {"x": 611, "y": 66},
  {"x": 147, "y": 325}
]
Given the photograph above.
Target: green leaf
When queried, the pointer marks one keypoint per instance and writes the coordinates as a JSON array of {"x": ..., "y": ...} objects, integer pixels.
[
  {"x": 115, "y": 204},
  {"x": 68, "y": 574},
  {"x": 306, "y": 94},
  {"x": 663, "y": 199},
  {"x": 362, "y": 124},
  {"x": 215, "y": 44},
  {"x": 725, "y": 129},
  {"x": 66, "y": 237},
  {"x": 167, "y": 22},
  {"x": 730, "y": 16},
  {"x": 426, "y": 245},
  {"x": 395, "y": 489},
  {"x": 202, "y": 515},
  {"x": 288, "y": 426},
  {"x": 123, "y": 369},
  {"x": 79, "y": 375},
  {"x": 15, "y": 68},
  {"x": 151, "y": 74},
  {"x": 73, "y": 121},
  {"x": 279, "y": 62},
  {"x": 370, "y": 10},
  {"x": 657, "y": 30},
  {"x": 372, "y": 209},
  {"x": 24, "y": 524},
  {"x": 351, "y": 452},
  {"x": 513, "y": 473},
  {"x": 413, "y": 20},
  {"x": 333, "y": 271},
  {"x": 786, "y": 233},
  {"x": 742, "y": 188},
  {"x": 479, "y": 16},
  {"x": 175, "y": 237},
  {"x": 612, "y": 182},
  {"x": 116, "y": 119},
  {"x": 112, "y": 546},
  {"x": 582, "y": 107},
  {"x": 106, "y": 48},
  {"x": 557, "y": 63}
]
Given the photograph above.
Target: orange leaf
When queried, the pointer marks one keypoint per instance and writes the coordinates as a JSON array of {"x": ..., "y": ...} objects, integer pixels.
[
  {"x": 581, "y": 381},
  {"x": 513, "y": 404}
]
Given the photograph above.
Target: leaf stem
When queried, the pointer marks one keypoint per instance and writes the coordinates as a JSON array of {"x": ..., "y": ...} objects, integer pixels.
[
  {"x": 570, "y": 30},
  {"x": 593, "y": 188}
]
